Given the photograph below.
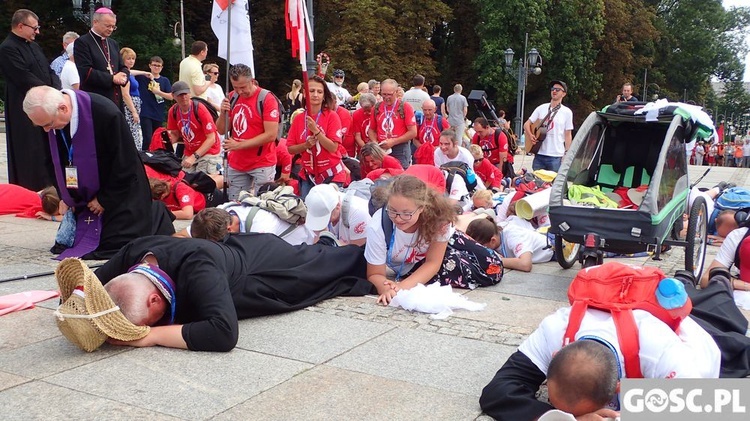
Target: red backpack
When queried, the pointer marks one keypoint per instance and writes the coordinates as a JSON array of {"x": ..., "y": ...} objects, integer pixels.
[{"x": 620, "y": 289}]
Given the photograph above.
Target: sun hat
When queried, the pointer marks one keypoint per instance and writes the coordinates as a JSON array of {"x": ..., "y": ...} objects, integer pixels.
[
  {"x": 87, "y": 315},
  {"x": 180, "y": 88},
  {"x": 321, "y": 201}
]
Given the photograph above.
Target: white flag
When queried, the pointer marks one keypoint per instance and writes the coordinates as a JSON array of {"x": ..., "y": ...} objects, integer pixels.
[{"x": 241, "y": 38}]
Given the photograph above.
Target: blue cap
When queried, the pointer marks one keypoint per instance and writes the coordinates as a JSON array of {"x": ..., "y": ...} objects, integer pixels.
[{"x": 671, "y": 293}]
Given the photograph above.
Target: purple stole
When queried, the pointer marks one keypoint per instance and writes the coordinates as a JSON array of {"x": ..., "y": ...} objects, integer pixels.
[{"x": 88, "y": 224}]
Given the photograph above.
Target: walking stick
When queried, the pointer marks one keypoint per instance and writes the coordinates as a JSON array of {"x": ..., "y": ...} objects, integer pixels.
[{"x": 225, "y": 116}]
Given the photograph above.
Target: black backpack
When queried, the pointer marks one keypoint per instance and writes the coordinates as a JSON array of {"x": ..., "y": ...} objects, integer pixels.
[
  {"x": 198, "y": 100},
  {"x": 462, "y": 169},
  {"x": 512, "y": 140},
  {"x": 162, "y": 161}
]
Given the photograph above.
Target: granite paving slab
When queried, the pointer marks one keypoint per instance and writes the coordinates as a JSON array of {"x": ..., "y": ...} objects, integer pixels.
[
  {"x": 189, "y": 385},
  {"x": 328, "y": 394},
  {"x": 510, "y": 309},
  {"x": 538, "y": 285},
  {"x": 40, "y": 400},
  {"x": 8, "y": 380},
  {"x": 430, "y": 359},
  {"x": 52, "y": 356},
  {"x": 26, "y": 327},
  {"x": 305, "y": 335}
]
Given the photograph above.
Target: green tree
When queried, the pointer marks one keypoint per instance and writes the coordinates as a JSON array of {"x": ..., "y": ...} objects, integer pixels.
[{"x": 456, "y": 44}]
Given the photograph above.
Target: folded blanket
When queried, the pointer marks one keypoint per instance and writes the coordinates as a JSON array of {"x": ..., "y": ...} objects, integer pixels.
[{"x": 440, "y": 301}]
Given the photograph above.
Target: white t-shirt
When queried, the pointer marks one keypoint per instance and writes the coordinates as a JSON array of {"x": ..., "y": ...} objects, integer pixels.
[
  {"x": 403, "y": 249},
  {"x": 341, "y": 94},
  {"x": 266, "y": 222},
  {"x": 517, "y": 240},
  {"x": 463, "y": 155},
  {"x": 359, "y": 217},
  {"x": 663, "y": 353},
  {"x": 728, "y": 248},
  {"x": 215, "y": 94},
  {"x": 554, "y": 143},
  {"x": 416, "y": 97},
  {"x": 69, "y": 75}
]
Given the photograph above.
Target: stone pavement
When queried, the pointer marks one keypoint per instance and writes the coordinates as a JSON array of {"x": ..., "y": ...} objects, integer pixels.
[{"x": 346, "y": 358}]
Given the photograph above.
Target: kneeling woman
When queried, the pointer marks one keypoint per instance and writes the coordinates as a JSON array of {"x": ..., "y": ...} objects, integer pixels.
[
  {"x": 317, "y": 133},
  {"x": 423, "y": 247}
]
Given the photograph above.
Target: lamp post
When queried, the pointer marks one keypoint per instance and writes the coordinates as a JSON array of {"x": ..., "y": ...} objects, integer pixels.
[
  {"x": 656, "y": 92},
  {"x": 87, "y": 18},
  {"x": 529, "y": 63}
]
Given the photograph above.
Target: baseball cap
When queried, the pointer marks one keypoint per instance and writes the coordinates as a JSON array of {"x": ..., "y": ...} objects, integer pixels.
[
  {"x": 338, "y": 72},
  {"x": 321, "y": 201},
  {"x": 180, "y": 88},
  {"x": 559, "y": 82}
]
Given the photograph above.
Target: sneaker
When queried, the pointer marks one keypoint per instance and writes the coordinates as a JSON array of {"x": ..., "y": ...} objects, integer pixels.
[
  {"x": 327, "y": 238},
  {"x": 687, "y": 277},
  {"x": 719, "y": 274}
]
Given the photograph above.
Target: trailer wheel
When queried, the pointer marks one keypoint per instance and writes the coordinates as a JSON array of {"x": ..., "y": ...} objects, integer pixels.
[
  {"x": 566, "y": 253},
  {"x": 695, "y": 240}
]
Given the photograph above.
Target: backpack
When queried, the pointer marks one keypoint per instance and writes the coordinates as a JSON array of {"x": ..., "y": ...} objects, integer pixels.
[
  {"x": 512, "y": 140},
  {"x": 282, "y": 201},
  {"x": 735, "y": 198},
  {"x": 619, "y": 289},
  {"x": 162, "y": 161},
  {"x": 195, "y": 101},
  {"x": 401, "y": 112},
  {"x": 360, "y": 188},
  {"x": 462, "y": 169}
]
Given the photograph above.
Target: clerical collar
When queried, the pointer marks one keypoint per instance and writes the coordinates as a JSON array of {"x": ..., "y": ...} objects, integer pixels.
[
  {"x": 73, "y": 111},
  {"x": 94, "y": 32}
]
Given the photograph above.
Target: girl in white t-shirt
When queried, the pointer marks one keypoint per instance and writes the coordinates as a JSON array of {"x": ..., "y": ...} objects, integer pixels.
[
  {"x": 422, "y": 224},
  {"x": 520, "y": 247}
]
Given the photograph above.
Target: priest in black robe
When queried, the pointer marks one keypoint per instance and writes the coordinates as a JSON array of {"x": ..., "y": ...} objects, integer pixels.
[
  {"x": 97, "y": 57},
  {"x": 243, "y": 276},
  {"x": 98, "y": 170},
  {"x": 23, "y": 65}
]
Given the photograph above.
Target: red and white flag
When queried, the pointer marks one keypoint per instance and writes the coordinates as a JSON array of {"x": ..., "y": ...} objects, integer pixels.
[
  {"x": 298, "y": 30},
  {"x": 241, "y": 39}
]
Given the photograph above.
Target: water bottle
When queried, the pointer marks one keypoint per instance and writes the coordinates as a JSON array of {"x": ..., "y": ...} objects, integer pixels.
[{"x": 671, "y": 294}]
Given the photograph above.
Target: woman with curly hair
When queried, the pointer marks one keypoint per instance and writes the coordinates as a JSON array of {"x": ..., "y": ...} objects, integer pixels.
[{"x": 422, "y": 246}]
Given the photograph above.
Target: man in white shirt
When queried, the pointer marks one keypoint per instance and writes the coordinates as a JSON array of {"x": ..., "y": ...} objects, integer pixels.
[
  {"x": 557, "y": 120},
  {"x": 457, "y": 107},
  {"x": 706, "y": 345},
  {"x": 342, "y": 214},
  {"x": 214, "y": 223},
  {"x": 450, "y": 150},
  {"x": 417, "y": 94},
  {"x": 337, "y": 88}
]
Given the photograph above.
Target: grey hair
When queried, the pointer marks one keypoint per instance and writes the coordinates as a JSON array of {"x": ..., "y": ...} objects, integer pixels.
[
  {"x": 240, "y": 70},
  {"x": 458, "y": 88},
  {"x": 428, "y": 102},
  {"x": 70, "y": 36},
  {"x": 45, "y": 97},
  {"x": 98, "y": 16},
  {"x": 130, "y": 292},
  {"x": 391, "y": 82},
  {"x": 367, "y": 99}
]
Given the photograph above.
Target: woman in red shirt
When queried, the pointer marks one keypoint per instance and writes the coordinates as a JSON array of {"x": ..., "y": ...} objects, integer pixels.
[
  {"x": 319, "y": 132},
  {"x": 373, "y": 158}
]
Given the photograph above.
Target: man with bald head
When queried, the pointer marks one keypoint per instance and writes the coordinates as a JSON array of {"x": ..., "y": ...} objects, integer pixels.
[
  {"x": 428, "y": 133},
  {"x": 393, "y": 125},
  {"x": 98, "y": 60}
]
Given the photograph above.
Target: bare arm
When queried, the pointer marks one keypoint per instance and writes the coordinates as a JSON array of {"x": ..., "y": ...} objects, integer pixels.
[
  {"x": 167, "y": 336},
  {"x": 522, "y": 262}
]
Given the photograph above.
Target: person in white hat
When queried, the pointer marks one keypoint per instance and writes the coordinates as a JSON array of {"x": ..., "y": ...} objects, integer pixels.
[{"x": 344, "y": 215}]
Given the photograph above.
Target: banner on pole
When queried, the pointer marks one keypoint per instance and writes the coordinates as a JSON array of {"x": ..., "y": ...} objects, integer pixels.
[{"x": 241, "y": 49}]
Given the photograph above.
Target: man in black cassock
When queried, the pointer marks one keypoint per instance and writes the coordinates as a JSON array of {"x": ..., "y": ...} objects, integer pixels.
[
  {"x": 98, "y": 60},
  {"x": 243, "y": 276},
  {"x": 24, "y": 66},
  {"x": 97, "y": 168}
]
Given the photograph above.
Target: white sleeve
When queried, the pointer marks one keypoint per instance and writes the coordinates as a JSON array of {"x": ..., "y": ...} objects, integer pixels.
[
  {"x": 458, "y": 188},
  {"x": 539, "y": 112},
  {"x": 728, "y": 248},
  {"x": 375, "y": 248},
  {"x": 546, "y": 340},
  {"x": 568, "y": 119},
  {"x": 359, "y": 217}
]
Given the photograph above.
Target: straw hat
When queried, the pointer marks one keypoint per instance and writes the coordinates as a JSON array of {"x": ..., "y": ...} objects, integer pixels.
[{"x": 87, "y": 315}]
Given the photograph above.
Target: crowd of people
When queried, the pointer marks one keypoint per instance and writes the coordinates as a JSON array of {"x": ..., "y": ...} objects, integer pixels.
[{"x": 400, "y": 191}]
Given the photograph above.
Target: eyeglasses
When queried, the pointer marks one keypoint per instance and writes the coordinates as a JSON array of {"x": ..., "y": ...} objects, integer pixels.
[
  {"x": 556, "y": 89},
  {"x": 406, "y": 216},
  {"x": 386, "y": 94},
  {"x": 478, "y": 160},
  {"x": 112, "y": 27},
  {"x": 214, "y": 73},
  {"x": 155, "y": 65},
  {"x": 36, "y": 28},
  {"x": 338, "y": 77}
]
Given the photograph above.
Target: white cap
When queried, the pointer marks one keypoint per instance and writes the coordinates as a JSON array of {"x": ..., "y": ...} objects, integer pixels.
[{"x": 321, "y": 201}]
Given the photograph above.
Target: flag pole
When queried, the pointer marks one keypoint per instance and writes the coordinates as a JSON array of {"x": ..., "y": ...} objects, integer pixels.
[
  {"x": 306, "y": 83},
  {"x": 227, "y": 127}
]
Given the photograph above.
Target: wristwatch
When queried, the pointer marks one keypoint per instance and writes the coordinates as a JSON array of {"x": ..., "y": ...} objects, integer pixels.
[{"x": 197, "y": 155}]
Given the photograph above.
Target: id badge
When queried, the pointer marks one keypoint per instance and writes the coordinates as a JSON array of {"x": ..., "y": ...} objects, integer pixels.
[{"x": 71, "y": 177}]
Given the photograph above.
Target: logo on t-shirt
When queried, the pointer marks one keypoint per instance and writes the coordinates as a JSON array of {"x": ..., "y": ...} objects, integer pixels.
[
  {"x": 185, "y": 198},
  {"x": 340, "y": 133},
  {"x": 240, "y": 120},
  {"x": 210, "y": 127},
  {"x": 517, "y": 250},
  {"x": 360, "y": 228},
  {"x": 275, "y": 114}
]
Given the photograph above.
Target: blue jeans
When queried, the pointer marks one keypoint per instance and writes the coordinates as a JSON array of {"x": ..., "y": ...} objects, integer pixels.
[
  {"x": 402, "y": 152},
  {"x": 545, "y": 162}
]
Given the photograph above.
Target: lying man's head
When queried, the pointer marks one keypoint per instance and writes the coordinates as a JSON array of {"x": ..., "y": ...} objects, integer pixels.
[
  {"x": 213, "y": 224},
  {"x": 725, "y": 223},
  {"x": 582, "y": 377},
  {"x": 139, "y": 299}
]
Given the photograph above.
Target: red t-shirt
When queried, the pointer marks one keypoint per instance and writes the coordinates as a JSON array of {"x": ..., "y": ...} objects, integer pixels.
[
  {"x": 361, "y": 123},
  {"x": 347, "y": 135},
  {"x": 183, "y": 195},
  {"x": 15, "y": 199},
  {"x": 192, "y": 131},
  {"x": 490, "y": 148},
  {"x": 283, "y": 158},
  {"x": 328, "y": 163},
  {"x": 388, "y": 117},
  {"x": 389, "y": 162},
  {"x": 429, "y": 130},
  {"x": 246, "y": 124},
  {"x": 490, "y": 174}
]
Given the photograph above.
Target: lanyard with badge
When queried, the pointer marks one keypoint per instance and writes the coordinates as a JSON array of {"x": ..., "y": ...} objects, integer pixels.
[
  {"x": 389, "y": 257},
  {"x": 388, "y": 121},
  {"x": 185, "y": 121},
  {"x": 71, "y": 172}
]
